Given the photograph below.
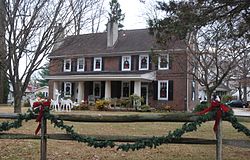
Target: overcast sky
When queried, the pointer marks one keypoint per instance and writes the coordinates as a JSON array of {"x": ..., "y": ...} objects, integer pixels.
[{"x": 134, "y": 12}]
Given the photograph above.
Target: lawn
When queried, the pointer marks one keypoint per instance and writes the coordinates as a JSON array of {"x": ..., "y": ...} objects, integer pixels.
[{"x": 67, "y": 150}]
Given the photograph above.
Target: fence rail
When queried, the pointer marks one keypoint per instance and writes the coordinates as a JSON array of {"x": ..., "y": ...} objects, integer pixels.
[{"x": 154, "y": 117}]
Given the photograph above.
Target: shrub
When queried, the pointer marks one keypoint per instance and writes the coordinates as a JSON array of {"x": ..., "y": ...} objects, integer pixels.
[
  {"x": 102, "y": 104},
  {"x": 226, "y": 98},
  {"x": 145, "y": 108},
  {"x": 26, "y": 104},
  {"x": 82, "y": 106},
  {"x": 200, "y": 107}
]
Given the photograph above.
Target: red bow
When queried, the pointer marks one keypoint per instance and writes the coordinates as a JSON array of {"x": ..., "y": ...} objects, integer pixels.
[
  {"x": 40, "y": 114},
  {"x": 215, "y": 104}
]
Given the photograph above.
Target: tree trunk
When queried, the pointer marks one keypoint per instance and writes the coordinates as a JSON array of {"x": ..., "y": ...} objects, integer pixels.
[
  {"x": 240, "y": 93},
  {"x": 17, "y": 102},
  {"x": 209, "y": 95},
  {"x": 245, "y": 89}
]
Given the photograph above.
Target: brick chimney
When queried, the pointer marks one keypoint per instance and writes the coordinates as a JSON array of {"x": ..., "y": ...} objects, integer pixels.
[
  {"x": 58, "y": 36},
  {"x": 112, "y": 33}
]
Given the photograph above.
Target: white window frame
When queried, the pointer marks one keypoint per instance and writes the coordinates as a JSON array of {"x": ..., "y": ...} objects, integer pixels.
[
  {"x": 97, "y": 69},
  {"x": 123, "y": 59},
  {"x": 78, "y": 64},
  {"x": 64, "y": 67},
  {"x": 193, "y": 90},
  {"x": 65, "y": 85},
  {"x": 140, "y": 58},
  {"x": 159, "y": 89},
  {"x": 128, "y": 88},
  {"x": 100, "y": 91},
  {"x": 159, "y": 60}
]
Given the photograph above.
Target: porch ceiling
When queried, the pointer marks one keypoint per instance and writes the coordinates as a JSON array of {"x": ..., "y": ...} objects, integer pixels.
[{"x": 99, "y": 77}]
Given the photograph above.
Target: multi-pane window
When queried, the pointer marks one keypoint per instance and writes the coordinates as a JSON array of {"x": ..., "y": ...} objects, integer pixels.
[
  {"x": 67, "y": 65},
  {"x": 163, "y": 90},
  {"x": 98, "y": 64},
  {"x": 125, "y": 89},
  {"x": 67, "y": 89},
  {"x": 143, "y": 62},
  {"x": 193, "y": 90},
  {"x": 80, "y": 64},
  {"x": 163, "y": 62},
  {"x": 97, "y": 89},
  {"x": 126, "y": 63}
]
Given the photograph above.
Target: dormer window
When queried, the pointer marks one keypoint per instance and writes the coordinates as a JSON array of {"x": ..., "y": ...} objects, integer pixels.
[
  {"x": 143, "y": 62},
  {"x": 98, "y": 64},
  {"x": 80, "y": 64},
  {"x": 163, "y": 62},
  {"x": 67, "y": 65},
  {"x": 126, "y": 63}
]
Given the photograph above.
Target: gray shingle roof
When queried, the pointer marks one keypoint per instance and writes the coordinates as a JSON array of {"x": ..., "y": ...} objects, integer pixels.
[{"x": 93, "y": 44}]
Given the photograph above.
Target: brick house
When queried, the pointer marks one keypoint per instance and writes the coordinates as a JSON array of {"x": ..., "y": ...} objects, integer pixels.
[{"x": 116, "y": 64}]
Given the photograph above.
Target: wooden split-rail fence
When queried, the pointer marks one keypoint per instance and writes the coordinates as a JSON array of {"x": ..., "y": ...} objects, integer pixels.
[{"x": 154, "y": 117}]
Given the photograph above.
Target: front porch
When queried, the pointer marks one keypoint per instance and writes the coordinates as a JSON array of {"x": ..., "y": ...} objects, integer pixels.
[{"x": 86, "y": 91}]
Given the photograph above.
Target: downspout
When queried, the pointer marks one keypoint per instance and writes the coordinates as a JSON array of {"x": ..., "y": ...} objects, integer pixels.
[{"x": 187, "y": 97}]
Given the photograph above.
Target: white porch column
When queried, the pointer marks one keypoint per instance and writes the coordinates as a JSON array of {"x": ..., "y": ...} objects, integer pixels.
[
  {"x": 80, "y": 92},
  {"x": 107, "y": 89},
  {"x": 55, "y": 90},
  {"x": 137, "y": 88}
]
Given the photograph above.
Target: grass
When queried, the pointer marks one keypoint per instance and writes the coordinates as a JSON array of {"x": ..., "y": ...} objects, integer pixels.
[{"x": 67, "y": 150}]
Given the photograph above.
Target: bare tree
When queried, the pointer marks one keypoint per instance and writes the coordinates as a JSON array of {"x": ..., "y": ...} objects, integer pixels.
[
  {"x": 86, "y": 14},
  {"x": 3, "y": 85},
  {"x": 213, "y": 59},
  {"x": 29, "y": 38}
]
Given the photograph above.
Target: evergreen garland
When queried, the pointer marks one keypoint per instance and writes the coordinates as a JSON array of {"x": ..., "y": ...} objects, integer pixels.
[{"x": 140, "y": 144}]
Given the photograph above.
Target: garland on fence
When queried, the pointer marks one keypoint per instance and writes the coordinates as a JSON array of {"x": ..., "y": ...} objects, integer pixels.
[
  {"x": 140, "y": 144},
  {"x": 5, "y": 126}
]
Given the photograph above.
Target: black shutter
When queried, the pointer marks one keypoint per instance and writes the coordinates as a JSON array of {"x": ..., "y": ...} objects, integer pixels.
[
  {"x": 102, "y": 89},
  {"x": 156, "y": 64},
  {"x": 90, "y": 87},
  {"x": 132, "y": 62},
  {"x": 62, "y": 65},
  {"x": 170, "y": 90},
  {"x": 92, "y": 64},
  {"x": 72, "y": 89},
  {"x": 150, "y": 63},
  {"x": 155, "y": 90},
  {"x": 137, "y": 62},
  {"x": 120, "y": 63},
  {"x": 85, "y": 65},
  {"x": 103, "y": 60},
  {"x": 132, "y": 84},
  {"x": 62, "y": 90},
  {"x": 170, "y": 62}
]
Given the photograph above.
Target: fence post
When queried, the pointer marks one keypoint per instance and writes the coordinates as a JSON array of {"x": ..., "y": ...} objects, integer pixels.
[
  {"x": 219, "y": 141},
  {"x": 43, "y": 145}
]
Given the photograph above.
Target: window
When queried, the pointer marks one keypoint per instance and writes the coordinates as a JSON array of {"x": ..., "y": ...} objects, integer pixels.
[
  {"x": 67, "y": 65},
  {"x": 126, "y": 63},
  {"x": 193, "y": 91},
  {"x": 163, "y": 62},
  {"x": 67, "y": 89},
  {"x": 125, "y": 89},
  {"x": 98, "y": 64},
  {"x": 143, "y": 62},
  {"x": 97, "y": 89},
  {"x": 80, "y": 64},
  {"x": 163, "y": 90}
]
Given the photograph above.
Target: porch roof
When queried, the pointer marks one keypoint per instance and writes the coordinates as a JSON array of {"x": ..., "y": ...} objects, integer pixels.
[{"x": 102, "y": 77}]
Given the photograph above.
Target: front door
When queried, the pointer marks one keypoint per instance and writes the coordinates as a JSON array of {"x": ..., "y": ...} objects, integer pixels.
[{"x": 144, "y": 94}]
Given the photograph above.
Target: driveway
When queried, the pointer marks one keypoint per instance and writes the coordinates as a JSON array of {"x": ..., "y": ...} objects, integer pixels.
[{"x": 242, "y": 111}]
